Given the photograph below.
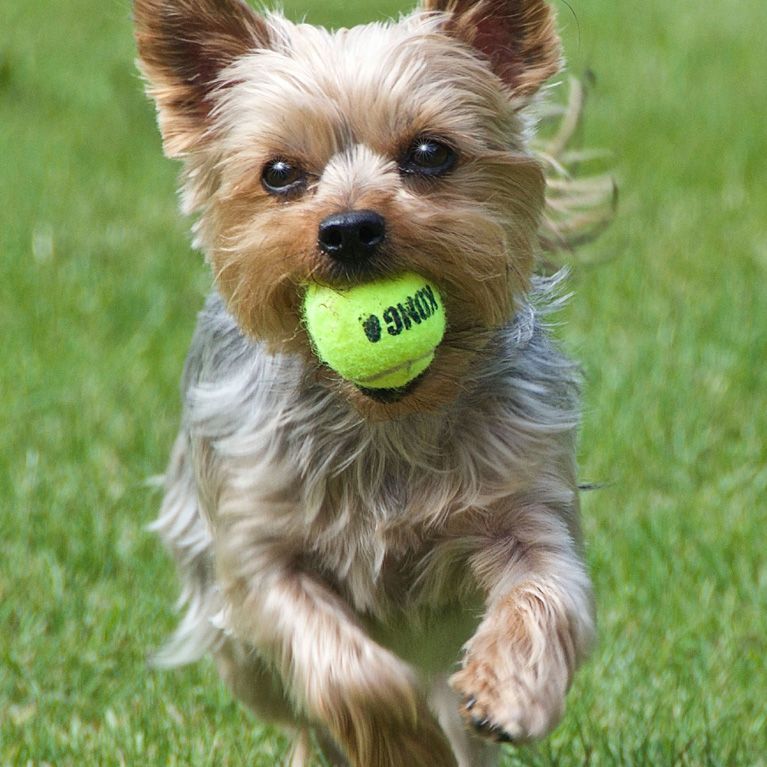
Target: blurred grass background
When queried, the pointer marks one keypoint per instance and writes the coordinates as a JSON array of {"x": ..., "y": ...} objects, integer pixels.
[{"x": 98, "y": 295}]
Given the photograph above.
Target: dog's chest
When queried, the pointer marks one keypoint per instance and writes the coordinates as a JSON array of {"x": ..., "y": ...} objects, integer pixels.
[
  {"x": 388, "y": 530},
  {"x": 394, "y": 546},
  {"x": 410, "y": 587}
]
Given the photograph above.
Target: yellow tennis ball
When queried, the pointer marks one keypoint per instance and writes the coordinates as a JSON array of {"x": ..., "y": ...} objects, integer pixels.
[{"x": 379, "y": 335}]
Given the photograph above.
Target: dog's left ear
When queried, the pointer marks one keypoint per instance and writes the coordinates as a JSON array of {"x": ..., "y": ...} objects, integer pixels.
[
  {"x": 183, "y": 47},
  {"x": 518, "y": 37}
]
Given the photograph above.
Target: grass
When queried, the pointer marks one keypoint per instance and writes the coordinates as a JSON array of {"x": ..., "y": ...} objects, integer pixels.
[{"x": 98, "y": 292}]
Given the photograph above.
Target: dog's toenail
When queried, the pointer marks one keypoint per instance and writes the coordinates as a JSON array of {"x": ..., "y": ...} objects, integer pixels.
[
  {"x": 470, "y": 703},
  {"x": 488, "y": 728},
  {"x": 480, "y": 724}
]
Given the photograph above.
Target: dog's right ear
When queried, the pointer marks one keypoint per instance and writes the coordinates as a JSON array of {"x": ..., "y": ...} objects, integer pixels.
[
  {"x": 183, "y": 46},
  {"x": 517, "y": 37}
]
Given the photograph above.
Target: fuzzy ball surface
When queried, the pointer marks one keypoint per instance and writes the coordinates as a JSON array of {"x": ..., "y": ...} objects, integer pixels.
[{"x": 378, "y": 335}]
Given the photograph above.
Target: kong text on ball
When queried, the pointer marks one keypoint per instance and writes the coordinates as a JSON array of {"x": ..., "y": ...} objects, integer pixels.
[{"x": 378, "y": 335}]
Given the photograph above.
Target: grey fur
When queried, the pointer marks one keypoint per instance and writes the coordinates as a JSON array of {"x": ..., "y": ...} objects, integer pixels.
[{"x": 510, "y": 433}]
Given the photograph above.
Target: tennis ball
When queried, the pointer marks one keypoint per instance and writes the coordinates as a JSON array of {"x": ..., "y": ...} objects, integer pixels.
[{"x": 378, "y": 335}]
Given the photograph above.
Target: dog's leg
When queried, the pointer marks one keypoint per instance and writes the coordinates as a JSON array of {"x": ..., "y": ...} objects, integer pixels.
[
  {"x": 301, "y": 751},
  {"x": 311, "y": 742},
  {"x": 470, "y": 751},
  {"x": 328, "y": 749},
  {"x": 538, "y": 625},
  {"x": 366, "y": 697},
  {"x": 258, "y": 687},
  {"x": 250, "y": 680}
]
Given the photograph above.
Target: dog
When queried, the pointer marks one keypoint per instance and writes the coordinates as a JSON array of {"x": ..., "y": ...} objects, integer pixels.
[{"x": 396, "y": 577}]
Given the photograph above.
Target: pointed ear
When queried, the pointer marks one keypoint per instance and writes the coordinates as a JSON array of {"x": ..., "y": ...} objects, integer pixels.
[
  {"x": 518, "y": 37},
  {"x": 183, "y": 46}
]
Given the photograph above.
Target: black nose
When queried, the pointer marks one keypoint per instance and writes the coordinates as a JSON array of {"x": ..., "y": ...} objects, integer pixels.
[{"x": 351, "y": 236}]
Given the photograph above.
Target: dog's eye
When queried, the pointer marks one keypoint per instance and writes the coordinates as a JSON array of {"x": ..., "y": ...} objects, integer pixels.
[
  {"x": 428, "y": 157},
  {"x": 282, "y": 177}
]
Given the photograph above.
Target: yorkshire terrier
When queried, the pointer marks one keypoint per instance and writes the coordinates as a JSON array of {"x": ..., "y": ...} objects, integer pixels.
[{"x": 396, "y": 577}]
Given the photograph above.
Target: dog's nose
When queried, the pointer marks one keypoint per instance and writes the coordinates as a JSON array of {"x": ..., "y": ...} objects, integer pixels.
[{"x": 352, "y": 236}]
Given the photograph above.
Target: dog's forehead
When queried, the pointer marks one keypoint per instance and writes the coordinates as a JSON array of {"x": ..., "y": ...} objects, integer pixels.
[{"x": 378, "y": 84}]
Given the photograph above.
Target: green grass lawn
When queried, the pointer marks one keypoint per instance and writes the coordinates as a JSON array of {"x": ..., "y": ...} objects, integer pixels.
[{"x": 98, "y": 294}]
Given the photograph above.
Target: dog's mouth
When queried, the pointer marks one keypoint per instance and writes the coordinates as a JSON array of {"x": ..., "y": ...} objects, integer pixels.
[{"x": 390, "y": 396}]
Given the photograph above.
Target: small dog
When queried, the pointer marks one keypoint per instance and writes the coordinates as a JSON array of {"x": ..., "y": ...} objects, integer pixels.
[{"x": 395, "y": 576}]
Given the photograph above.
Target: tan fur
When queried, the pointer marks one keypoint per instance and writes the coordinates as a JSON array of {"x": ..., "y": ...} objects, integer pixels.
[
  {"x": 338, "y": 551},
  {"x": 528, "y": 641},
  {"x": 263, "y": 250}
]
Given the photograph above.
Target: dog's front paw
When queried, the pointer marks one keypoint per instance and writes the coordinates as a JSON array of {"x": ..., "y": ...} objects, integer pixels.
[
  {"x": 513, "y": 688},
  {"x": 505, "y": 705}
]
